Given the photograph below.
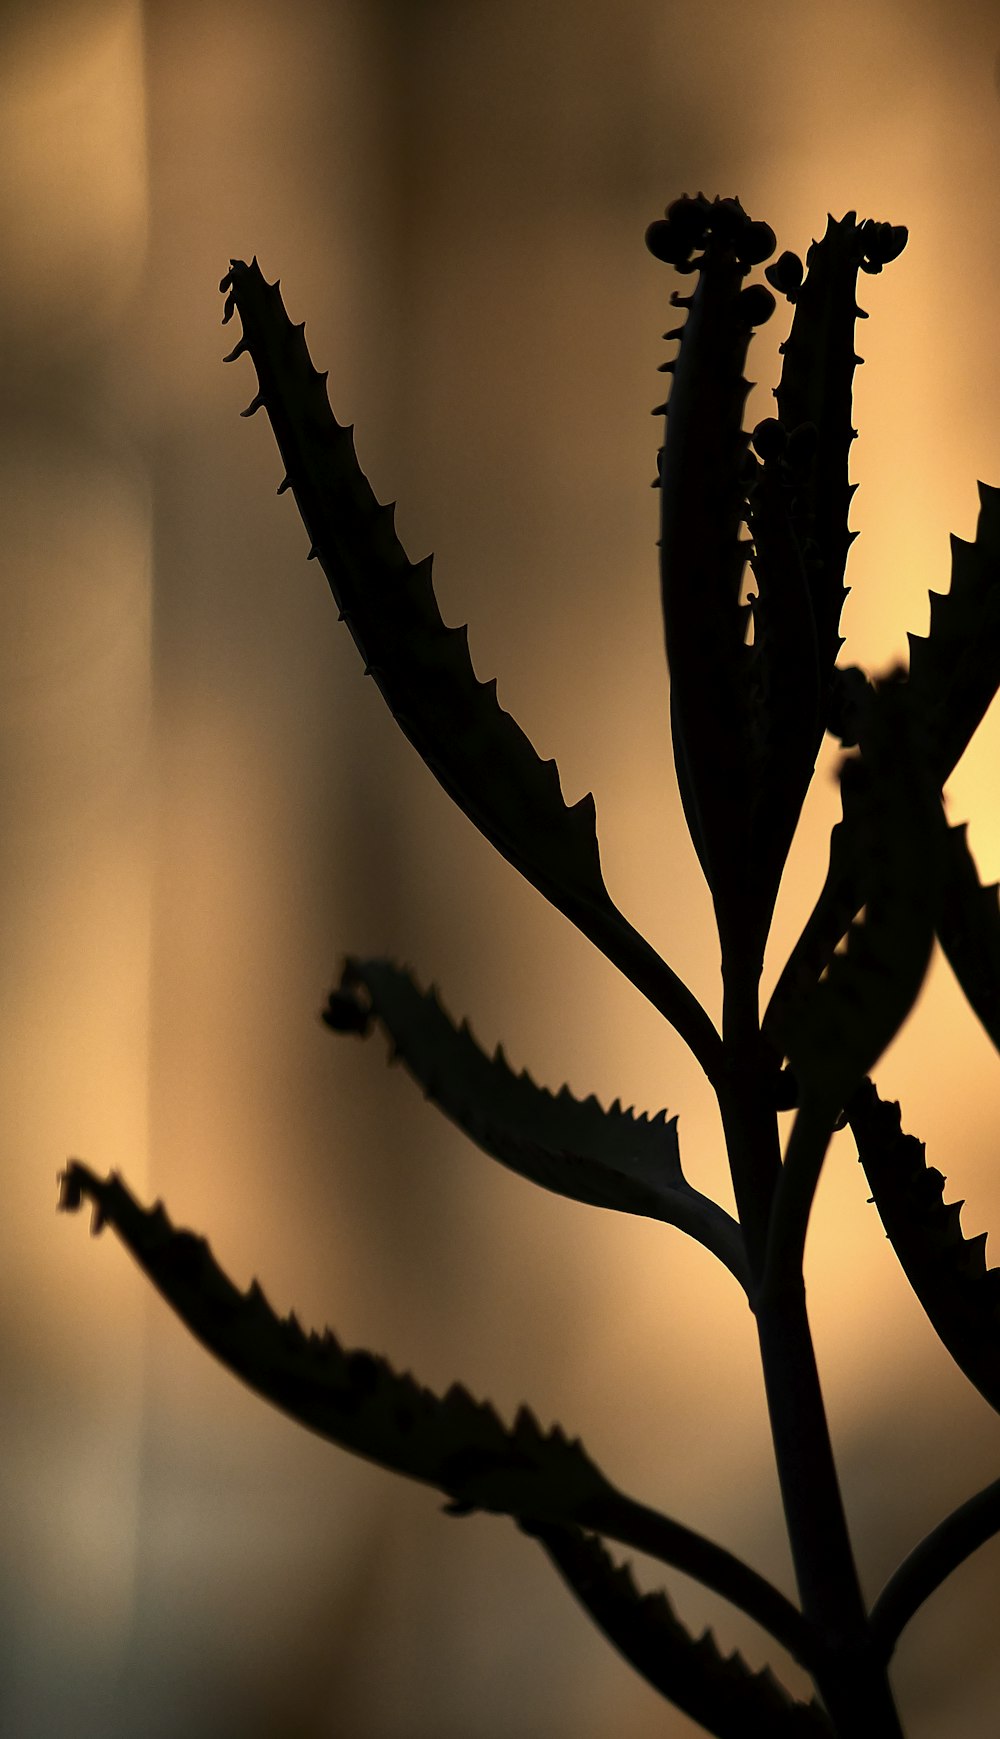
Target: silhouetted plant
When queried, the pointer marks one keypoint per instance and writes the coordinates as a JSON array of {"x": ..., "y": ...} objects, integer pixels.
[{"x": 754, "y": 686}]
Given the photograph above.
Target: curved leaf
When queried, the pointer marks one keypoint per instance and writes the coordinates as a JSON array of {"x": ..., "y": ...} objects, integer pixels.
[
  {"x": 478, "y": 753},
  {"x": 948, "y": 1273},
  {"x": 835, "y": 1030},
  {"x": 968, "y": 927},
  {"x": 455, "y": 1443},
  {"x": 929, "y": 1564},
  {"x": 352, "y": 1398},
  {"x": 954, "y": 674},
  {"x": 720, "y": 1691},
  {"x": 830, "y": 919},
  {"x": 610, "y": 1159}
]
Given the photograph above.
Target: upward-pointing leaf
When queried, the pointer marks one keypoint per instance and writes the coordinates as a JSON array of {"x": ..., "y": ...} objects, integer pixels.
[
  {"x": 814, "y": 396},
  {"x": 787, "y": 683},
  {"x": 610, "y": 1159},
  {"x": 703, "y": 555},
  {"x": 476, "y": 750}
]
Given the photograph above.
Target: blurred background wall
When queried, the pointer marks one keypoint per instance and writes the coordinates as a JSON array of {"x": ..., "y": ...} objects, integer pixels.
[{"x": 205, "y": 806}]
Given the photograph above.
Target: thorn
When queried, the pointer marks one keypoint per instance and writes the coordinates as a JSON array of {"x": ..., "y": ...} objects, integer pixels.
[
  {"x": 313, "y": 553},
  {"x": 237, "y": 349},
  {"x": 253, "y": 407},
  {"x": 286, "y": 483},
  {"x": 666, "y": 368},
  {"x": 659, "y": 410}
]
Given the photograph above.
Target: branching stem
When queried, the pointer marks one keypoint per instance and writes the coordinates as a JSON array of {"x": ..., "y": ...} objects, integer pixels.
[{"x": 646, "y": 1530}]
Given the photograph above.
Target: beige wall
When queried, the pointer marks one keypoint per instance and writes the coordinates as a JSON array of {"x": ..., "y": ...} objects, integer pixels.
[{"x": 205, "y": 806}]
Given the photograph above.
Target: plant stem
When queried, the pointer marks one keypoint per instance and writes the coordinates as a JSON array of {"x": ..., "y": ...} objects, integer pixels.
[
  {"x": 853, "y": 1685},
  {"x": 852, "y": 1681}
]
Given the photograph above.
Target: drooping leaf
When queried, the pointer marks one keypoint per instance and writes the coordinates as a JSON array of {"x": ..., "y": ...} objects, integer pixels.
[
  {"x": 474, "y": 748},
  {"x": 720, "y": 1691},
  {"x": 608, "y": 1158},
  {"x": 893, "y": 830},
  {"x": 948, "y": 1273},
  {"x": 968, "y": 927},
  {"x": 955, "y": 668},
  {"x": 359, "y": 1402}
]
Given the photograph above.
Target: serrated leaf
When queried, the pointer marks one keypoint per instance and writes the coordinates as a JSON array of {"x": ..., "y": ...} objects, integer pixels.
[
  {"x": 747, "y": 719},
  {"x": 955, "y": 669},
  {"x": 608, "y": 1158},
  {"x": 473, "y": 747},
  {"x": 948, "y": 1273},
  {"x": 720, "y": 1691},
  {"x": 815, "y": 393},
  {"x": 702, "y": 558},
  {"x": 353, "y": 1399},
  {"x": 800, "y": 530},
  {"x": 968, "y": 926},
  {"x": 359, "y": 1402}
]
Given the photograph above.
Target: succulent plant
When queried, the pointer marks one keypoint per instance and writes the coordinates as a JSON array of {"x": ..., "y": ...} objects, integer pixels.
[{"x": 753, "y": 550}]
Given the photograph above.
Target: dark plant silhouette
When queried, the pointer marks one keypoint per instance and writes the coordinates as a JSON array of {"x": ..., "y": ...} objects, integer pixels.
[{"x": 754, "y": 684}]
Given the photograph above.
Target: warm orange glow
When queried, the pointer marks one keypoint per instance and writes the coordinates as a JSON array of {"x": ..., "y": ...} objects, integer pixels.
[{"x": 206, "y": 806}]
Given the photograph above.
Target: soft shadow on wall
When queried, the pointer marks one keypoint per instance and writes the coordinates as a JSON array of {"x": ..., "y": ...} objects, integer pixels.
[{"x": 455, "y": 198}]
